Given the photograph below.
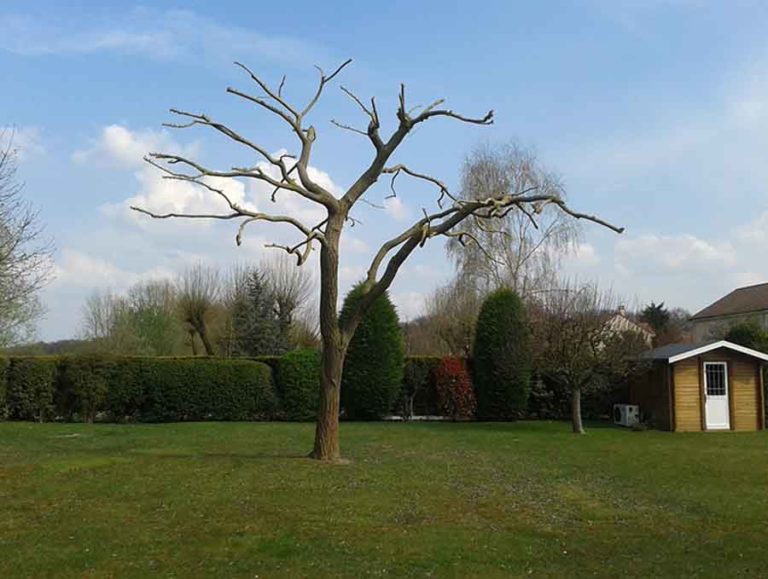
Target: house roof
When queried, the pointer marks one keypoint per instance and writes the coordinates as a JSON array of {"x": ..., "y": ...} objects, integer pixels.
[
  {"x": 744, "y": 300},
  {"x": 637, "y": 326},
  {"x": 676, "y": 352}
]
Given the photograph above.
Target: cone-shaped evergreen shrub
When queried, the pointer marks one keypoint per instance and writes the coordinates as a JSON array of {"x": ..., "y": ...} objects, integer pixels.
[
  {"x": 373, "y": 367},
  {"x": 502, "y": 357}
]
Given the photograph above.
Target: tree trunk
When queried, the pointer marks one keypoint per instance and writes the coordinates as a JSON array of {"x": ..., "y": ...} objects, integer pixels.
[
  {"x": 578, "y": 427},
  {"x": 192, "y": 342},
  {"x": 327, "y": 430},
  {"x": 203, "y": 333}
]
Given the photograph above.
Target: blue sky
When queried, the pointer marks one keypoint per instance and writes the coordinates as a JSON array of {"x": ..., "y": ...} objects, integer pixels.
[{"x": 653, "y": 112}]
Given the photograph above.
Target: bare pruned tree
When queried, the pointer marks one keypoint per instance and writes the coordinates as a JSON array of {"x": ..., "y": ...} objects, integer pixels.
[
  {"x": 291, "y": 287},
  {"x": 25, "y": 253},
  {"x": 198, "y": 290},
  {"x": 577, "y": 348},
  {"x": 290, "y": 174},
  {"x": 517, "y": 252},
  {"x": 452, "y": 313},
  {"x": 100, "y": 313},
  {"x": 144, "y": 321}
]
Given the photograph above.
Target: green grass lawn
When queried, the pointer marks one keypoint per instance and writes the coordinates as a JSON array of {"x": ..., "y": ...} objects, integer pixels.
[{"x": 420, "y": 500}]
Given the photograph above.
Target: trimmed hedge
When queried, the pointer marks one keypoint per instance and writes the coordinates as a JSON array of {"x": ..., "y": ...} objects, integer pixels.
[
  {"x": 82, "y": 388},
  {"x": 31, "y": 390},
  {"x": 146, "y": 389},
  {"x": 4, "y": 363},
  {"x": 181, "y": 390},
  {"x": 298, "y": 384},
  {"x": 502, "y": 357},
  {"x": 373, "y": 366}
]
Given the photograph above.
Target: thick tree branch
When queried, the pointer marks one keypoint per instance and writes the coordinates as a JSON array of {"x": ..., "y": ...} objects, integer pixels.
[
  {"x": 443, "y": 223},
  {"x": 385, "y": 149},
  {"x": 373, "y": 114},
  {"x": 204, "y": 120}
]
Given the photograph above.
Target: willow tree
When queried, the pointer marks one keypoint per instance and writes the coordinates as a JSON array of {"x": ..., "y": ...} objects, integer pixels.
[{"x": 291, "y": 174}]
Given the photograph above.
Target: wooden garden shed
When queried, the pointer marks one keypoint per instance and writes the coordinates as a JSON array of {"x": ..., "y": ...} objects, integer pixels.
[{"x": 702, "y": 387}]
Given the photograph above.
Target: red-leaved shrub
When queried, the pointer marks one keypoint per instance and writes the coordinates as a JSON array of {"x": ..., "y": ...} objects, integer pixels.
[{"x": 453, "y": 387}]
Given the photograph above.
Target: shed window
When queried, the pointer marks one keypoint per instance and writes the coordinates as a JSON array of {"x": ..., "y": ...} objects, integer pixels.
[{"x": 715, "y": 379}]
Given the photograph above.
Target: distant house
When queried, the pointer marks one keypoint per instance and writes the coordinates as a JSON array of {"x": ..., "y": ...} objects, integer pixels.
[
  {"x": 619, "y": 322},
  {"x": 701, "y": 387},
  {"x": 742, "y": 304}
]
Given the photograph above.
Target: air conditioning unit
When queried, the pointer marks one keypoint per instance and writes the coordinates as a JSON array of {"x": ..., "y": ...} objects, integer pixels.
[{"x": 626, "y": 414}]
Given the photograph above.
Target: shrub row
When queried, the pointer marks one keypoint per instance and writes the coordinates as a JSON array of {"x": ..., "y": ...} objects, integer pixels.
[
  {"x": 145, "y": 389},
  {"x": 87, "y": 388}
]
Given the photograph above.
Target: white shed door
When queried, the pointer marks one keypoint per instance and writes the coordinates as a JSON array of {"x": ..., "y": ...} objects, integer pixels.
[{"x": 716, "y": 395}]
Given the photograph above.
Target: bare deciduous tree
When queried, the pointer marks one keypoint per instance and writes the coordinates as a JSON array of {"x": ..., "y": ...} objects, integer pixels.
[
  {"x": 517, "y": 252},
  {"x": 452, "y": 313},
  {"x": 290, "y": 174},
  {"x": 25, "y": 254},
  {"x": 142, "y": 322},
  {"x": 198, "y": 290},
  {"x": 99, "y": 315},
  {"x": 577, "y": 348},
  {"x": 291, "y": 287}
]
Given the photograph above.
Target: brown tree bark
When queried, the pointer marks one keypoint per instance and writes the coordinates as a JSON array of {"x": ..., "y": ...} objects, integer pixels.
[
  {"x": 192, "y": 342},
  {"x": 203, "y": 333},
  {"x": 577, "y": 426},
  {"x": 326, "y": 445}
]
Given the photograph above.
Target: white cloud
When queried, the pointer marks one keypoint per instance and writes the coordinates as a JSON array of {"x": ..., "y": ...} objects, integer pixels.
[
  {"x": 409, "y": 304},
  {"x": 119, "y": 147},
  {"x": 350, "y": 275},
  {"x": 150, "y": 33},
  {"x": 755, "y": 231},
  {"x": 75, "y": 269},
  {"x": 396, "y": 208},
  {"x": 353, "y": 244},
  {"x": 583, "y": 255},
  {"x": 678, "y": 253}
]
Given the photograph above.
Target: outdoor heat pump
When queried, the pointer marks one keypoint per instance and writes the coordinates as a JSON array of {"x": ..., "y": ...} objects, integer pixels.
[{"x": 626, "y": 414}]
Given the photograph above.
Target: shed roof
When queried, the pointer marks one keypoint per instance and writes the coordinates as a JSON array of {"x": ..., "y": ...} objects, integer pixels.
[
  {"x": 675, "y": 352},
  {"x": 744, "y": 300}
]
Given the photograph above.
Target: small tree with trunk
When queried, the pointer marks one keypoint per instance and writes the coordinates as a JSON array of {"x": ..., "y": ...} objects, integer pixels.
[
  {"x": 25, "y": 253},
  {"x": 577, "y": 350},
  {"x": 290, "y": 174},
  {"x": 198, "y": 291}
]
